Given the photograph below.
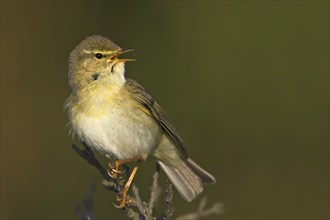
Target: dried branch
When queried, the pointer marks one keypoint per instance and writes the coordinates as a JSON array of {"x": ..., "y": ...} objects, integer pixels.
[
  {"x": 155, "y": 190},
  {"x": 88, "y": 155},
  {"x": 216, "y": 209},
  {"x": 138, "y": 209},
  {"x": 86, "y": 212},
  {"x": 169, "y": 200},
  {"x": 142, "y": 206}
]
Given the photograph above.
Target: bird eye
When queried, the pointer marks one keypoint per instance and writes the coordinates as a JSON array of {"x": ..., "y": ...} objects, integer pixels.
[{"x": 98, "y": 55}]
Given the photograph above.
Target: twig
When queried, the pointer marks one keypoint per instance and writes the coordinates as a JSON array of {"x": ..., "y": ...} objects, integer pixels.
[
  {"x": 169, "y": 200},
  {"x": 86, "y": 212},
  {"x": 141, "y": 206},
  {"x": 131, "y": 214},
  {"x": 88, "y": 155},
  {"x": 216, "y": 209},
  {"x": 155, "y": 190}
]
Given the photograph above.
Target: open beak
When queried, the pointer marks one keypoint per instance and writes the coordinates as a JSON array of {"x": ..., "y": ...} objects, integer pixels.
[{"x": 118, "y": 53}]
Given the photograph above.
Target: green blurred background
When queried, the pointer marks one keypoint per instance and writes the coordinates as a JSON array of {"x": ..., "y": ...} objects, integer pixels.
[{"x": 246, "y": 83}]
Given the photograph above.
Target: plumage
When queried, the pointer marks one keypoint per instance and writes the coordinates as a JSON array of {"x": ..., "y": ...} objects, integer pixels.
[
  {"x": 150, "y": 106},
  {"x": 117, "y": 117}
]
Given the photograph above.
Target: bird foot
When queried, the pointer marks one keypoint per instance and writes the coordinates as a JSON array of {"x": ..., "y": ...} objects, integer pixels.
[
  {"x": 122, "y": 202},
  {"x": 114, "y": 171}
]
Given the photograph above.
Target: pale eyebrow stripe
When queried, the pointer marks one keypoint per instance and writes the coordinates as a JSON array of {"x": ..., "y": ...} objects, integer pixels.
[{"x": 105, "y": 52}]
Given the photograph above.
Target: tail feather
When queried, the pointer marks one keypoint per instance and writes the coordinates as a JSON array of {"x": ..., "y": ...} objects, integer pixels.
[
  {"x": 188, "y": 184},
  {"x": 184, "y": 173},
  {"x": 206, "y": 177}
]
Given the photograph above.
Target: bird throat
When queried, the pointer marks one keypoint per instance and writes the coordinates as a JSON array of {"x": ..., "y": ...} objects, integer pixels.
[{"x": 117, "y": 74}]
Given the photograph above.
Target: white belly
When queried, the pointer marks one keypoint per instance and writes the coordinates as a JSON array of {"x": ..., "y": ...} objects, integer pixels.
[{"x": 119, "y": 133}]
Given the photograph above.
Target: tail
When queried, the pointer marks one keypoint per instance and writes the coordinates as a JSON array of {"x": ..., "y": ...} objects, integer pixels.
[
  {"x": 187, "y": 177},
  {"x": 206, "y": 177}
]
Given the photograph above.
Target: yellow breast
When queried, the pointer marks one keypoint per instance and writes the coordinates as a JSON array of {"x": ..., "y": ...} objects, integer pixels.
[{"x": 109, "y": 120}]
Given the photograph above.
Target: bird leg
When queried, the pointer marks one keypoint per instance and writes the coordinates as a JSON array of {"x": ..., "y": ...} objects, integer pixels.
[
  {"x": 114, "y": 172},
  {"x": 122, "y": 200}
]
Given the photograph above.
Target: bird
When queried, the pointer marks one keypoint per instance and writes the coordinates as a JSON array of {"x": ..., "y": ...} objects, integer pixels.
[{"x": 117, "y": 117}]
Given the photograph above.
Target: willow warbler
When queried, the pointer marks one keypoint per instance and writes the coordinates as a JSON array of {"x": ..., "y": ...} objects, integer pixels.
[{"x": 118, "y": 118}]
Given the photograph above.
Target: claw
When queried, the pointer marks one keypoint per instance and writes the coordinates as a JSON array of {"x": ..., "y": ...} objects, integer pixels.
[
  {"x": 122, "y": 202},
  {"x": 118, "y": 198},
  {"x": 119, "y": 206},
  {"x": 114, "y": 172},
  {"x": 118, "y": 171}
]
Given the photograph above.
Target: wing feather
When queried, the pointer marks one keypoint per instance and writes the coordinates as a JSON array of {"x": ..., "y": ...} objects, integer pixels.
[{"x": 151, "y": 107}]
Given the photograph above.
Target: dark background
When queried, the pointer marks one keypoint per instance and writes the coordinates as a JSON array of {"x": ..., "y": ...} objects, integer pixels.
[{"x": 246, "y": 83}]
